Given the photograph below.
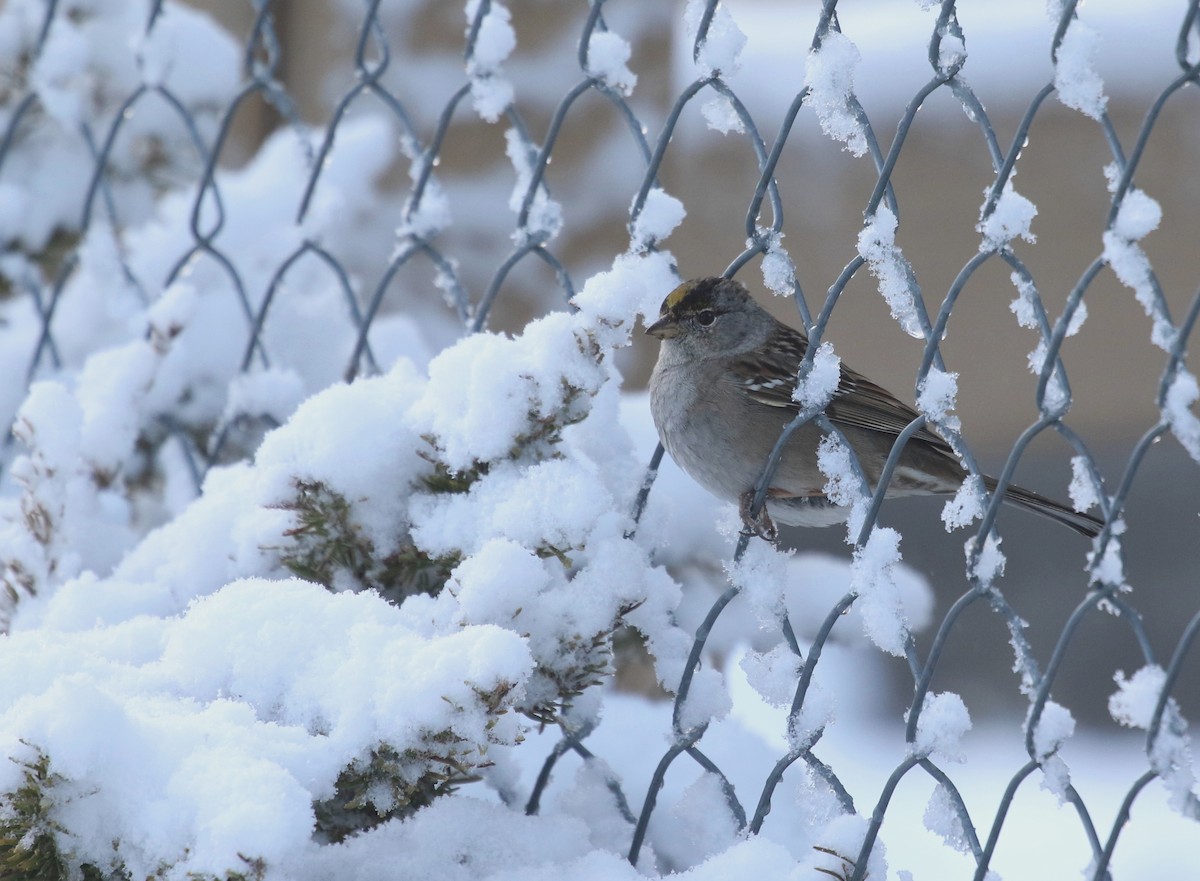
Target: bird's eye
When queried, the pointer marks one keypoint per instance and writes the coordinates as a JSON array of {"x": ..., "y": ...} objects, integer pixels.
[{"x": 706, "y": 317}]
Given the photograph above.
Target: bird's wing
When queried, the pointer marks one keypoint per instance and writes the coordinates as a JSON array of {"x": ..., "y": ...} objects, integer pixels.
[{"x": 857, "y": 403}]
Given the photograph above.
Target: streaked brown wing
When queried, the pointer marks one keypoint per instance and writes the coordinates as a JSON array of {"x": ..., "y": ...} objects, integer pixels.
[{"x": 857, "y": 403}]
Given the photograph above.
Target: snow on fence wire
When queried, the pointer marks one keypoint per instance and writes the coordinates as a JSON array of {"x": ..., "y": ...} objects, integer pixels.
[{"x": 116, "y": 214}]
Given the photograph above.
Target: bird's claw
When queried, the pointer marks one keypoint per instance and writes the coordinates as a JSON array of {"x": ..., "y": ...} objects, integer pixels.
[{"x": 759, "y": 524}]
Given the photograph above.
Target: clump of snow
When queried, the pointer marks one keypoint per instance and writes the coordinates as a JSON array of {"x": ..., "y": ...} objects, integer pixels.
[
  {"x": 877, "y": 245},
  {"x": 815, "y": 389},
  {"x": 697, "y": 826},
  {"x": 990, "y": 563},
  {"x": 721, "y": 116},
  {"x": 1109, "y": 569},
  {"x": 1182, "y": 394},
  {"x": 952, "y": 51},
  {"x": 1010, "y": 217},
  {"x": 937, "y": 396},
  {"x": 608, "y": 59},
  {"x": 491, "y": 91},
  {"x": 829, "y": 76},
  {"x": 1136, "y": 697},
  {"x": 1055, "y": 726},
  {"x": 762, "y": 575},
  {"x": 879, "y": 600},
  {"x": 965, "y": 506},
  {"x": 634, "y": 286},
  {"x": 427, "y": 216},
  {"x": 1075, "y": 78},
  {"x": 943, "y": 722},
  {"x": 1081, "y": 489},
  {"x": 545, "y": 215},
  {"x": 1134, "y": 704},
  {"x": 773, "y": 674},
  {"x": 1137, "y": 216},
  {"x": 778, "y": 269},
  {"x": 661, "y": 213},
  {"x": 943, "y": 819},
  {"x": 720, "y": 45},
  {"x": 842, "y": 485}
]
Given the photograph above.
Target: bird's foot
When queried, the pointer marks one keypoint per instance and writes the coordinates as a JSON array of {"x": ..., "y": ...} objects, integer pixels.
[{"x": 760, "y": 524}]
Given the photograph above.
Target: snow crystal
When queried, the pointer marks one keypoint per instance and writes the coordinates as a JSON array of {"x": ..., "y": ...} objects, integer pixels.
[
  {"x": 707, "y": 701},
  {"x": 1079, "y": 85},
  {"x": 491, "y": 93},
  {"x": 1024, "y": 307},
  {"x": 1134, "y": 704},
  {"x": 842, "y": 485},
  {"x": 1110, "y": 568},
  {"x": 877, "y": 245},
  {"x": 952, "y": 51},
  {"x": 426, "y": 218},
  {"x": 815, "y": 389},
  {"x": 965, "y": 506},
  {"x": 879, "y": 601},
  {"x": 1136, "y": 698},
  {"x": 608, "y": 59},
  {"x": 661, "y": 213},
  {"x": 773, "y": 674},
  {"x": 545, "y": 214},
  {"x": 721, "y": 116},
  {"x": 990, "y": 564},
  {"x": 1055, "y": 726},
  {"x": 1011, "y": 217},
  {"x": 778, "y": 270},
  {"x": 1082, "y": 490},
  {"x": 761, "y": 573},
  {"x": 943, "y": 819},
  {"x": 1132, "y": 268},
  {"x": 940, "y": 727},
  {"x": 937, "y": 395},
  {"x": 1056, "y": 778},
  {"x": 722, "y": 43},
  {"x": 1182, "y": 394},
  {"x": 829, "y": 76},
  {"x": 1138, "y": 216}
]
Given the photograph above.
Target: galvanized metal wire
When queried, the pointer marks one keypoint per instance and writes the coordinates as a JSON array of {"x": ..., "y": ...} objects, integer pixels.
[{"x": 652, "y": 140}]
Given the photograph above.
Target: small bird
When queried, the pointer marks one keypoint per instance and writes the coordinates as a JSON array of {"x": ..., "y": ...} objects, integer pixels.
[{"x": 721, "y": 394}]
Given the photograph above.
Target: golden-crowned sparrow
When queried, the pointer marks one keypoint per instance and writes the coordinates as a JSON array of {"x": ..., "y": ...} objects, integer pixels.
[{"x": 721, "y": 393}]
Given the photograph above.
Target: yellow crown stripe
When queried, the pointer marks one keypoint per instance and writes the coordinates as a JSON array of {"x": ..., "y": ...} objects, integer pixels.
[{"x": 676, "y": 296}]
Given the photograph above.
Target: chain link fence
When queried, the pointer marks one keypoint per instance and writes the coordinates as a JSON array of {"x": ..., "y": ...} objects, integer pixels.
[{"x": 129, "y": 138}]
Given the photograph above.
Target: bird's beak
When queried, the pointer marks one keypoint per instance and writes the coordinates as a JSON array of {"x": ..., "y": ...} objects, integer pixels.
[{"x": 664, "y": 329}]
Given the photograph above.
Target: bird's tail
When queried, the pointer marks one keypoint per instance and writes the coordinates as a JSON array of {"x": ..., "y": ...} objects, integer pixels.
[{"x": 1084, "y": 524}]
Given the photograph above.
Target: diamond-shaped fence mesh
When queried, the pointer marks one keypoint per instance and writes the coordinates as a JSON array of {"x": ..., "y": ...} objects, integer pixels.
[{"x": 355, "y": 182}]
